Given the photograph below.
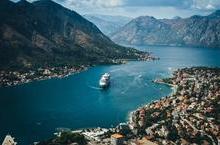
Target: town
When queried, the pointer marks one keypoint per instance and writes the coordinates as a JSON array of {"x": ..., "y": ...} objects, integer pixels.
[
  {"x": 190, "y": 115},
  {"x": 13, "y": 78}
]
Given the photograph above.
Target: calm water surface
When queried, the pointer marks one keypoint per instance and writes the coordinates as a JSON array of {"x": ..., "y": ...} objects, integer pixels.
[{"x": 32, "y": 112}]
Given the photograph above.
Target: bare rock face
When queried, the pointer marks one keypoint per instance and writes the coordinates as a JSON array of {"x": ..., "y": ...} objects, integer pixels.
[
  {"x": 41, "y": 42},
  {"x": 197, "y": 31}
]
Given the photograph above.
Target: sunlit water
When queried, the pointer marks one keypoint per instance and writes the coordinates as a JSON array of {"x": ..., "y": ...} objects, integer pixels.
[{"x": 33, "y": 111}]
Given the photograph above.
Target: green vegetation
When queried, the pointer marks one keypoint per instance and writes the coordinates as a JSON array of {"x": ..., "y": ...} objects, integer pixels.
[
  {"x": 39, "y": 36},
  {"x": 66, "y": 138}
]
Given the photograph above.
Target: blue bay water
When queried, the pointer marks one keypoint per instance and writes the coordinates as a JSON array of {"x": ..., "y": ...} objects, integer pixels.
[{"x": 33, "y": 111}]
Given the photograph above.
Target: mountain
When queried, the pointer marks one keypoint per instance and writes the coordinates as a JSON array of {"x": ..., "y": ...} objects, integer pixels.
[
  {"x": 44, "y": 34},
  {"x": 108, "y": 24},
  {"x": 144, "y": 29},
  {"x": 195, "y": 31}
]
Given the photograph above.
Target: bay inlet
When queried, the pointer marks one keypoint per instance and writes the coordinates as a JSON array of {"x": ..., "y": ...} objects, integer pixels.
[{"x": 31, "y": 112}]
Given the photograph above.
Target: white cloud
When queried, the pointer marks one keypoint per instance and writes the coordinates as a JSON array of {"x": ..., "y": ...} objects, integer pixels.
[
  {"x": 210, "y": 7},
  {"x": 93, "y": 3},
  {"x": 126, "y": 8},
  {"x": 134, "y": 8},
  {"x": 206, "y": 4}
]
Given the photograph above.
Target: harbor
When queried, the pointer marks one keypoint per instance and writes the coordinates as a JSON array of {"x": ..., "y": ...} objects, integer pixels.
[
  {"x": 77, "y": 101},
  {"x": 180, "y": 118}
]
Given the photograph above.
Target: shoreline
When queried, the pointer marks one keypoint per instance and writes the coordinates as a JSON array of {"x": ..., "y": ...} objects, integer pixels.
[
  {"x": 45, "y": 74},
  {"x": 158, "y": 81},
  {"x": 172, "y": 86},
  {"x": 180, "y": 78},
  {"x": 14, "y": 78},
  {"x": 129, "y": 116},
  {"x": 173, "y": 119}
]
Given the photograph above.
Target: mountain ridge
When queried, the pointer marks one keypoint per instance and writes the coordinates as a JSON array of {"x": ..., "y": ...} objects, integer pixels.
[
  {"x": 195, "y": 31},
  {"x": 45, "y": 34}
]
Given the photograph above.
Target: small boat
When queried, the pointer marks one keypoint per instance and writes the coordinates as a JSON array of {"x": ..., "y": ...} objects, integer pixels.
[{"x": 105, "y": 80}]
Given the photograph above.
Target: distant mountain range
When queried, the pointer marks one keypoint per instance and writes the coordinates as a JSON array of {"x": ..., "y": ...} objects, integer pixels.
[
  {"x": 44, "y": 34},
  {"x": 108, "y": 24},
  {"x": 195, "y": 31}
]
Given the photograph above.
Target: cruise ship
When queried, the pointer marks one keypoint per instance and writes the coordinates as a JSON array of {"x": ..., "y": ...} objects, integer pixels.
[{"x": 105, "y": 80}]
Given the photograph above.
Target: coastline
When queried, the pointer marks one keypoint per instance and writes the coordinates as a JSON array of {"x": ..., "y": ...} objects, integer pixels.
[
  {"x": 173, "y": 119},
  {"x": 129, "y": 117},
  {"x": 42, "y": 74},
  {"x": 128, "y": 120},
  {"x": 14, "y": 78},
  {"x": 181, "y": 113},
  {"x": 173, "y": 87},
  {"x": 158, "y": 81}
]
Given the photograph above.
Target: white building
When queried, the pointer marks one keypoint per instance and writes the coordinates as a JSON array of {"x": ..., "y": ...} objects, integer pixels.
[{"x": 9, "y": 140}]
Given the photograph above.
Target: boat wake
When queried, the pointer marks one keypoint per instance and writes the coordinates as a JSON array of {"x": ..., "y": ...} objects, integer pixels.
[
  {"x": 115, "y": 70},
  {"x": 124, "y": 91},
  {"x": 95, "y": 88}
]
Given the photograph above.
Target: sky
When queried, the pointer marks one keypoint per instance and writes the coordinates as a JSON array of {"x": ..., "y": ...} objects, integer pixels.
[{"x": 135, "y": 8}]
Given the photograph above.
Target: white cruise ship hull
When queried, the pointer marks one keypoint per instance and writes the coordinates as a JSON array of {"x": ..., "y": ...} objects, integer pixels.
[{"x": 104, "y": 81}]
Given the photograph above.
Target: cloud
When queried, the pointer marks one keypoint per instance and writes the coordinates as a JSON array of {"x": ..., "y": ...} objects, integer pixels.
[
  {"x": 93, "y": 3},
  {"x": 165, "y": 3},
  {"x": 210, "y": 7},
  {"x": 179, "y": 4},
  {"x": 206, "y": 4},
  {"x": 185, "y": 4},
  {"x": 134, "y": 8}
]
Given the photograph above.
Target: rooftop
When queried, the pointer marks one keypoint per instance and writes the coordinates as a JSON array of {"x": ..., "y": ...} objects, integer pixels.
[
  {"x": 145, "y": 141},
  {"x": 116, "y": 135}
]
